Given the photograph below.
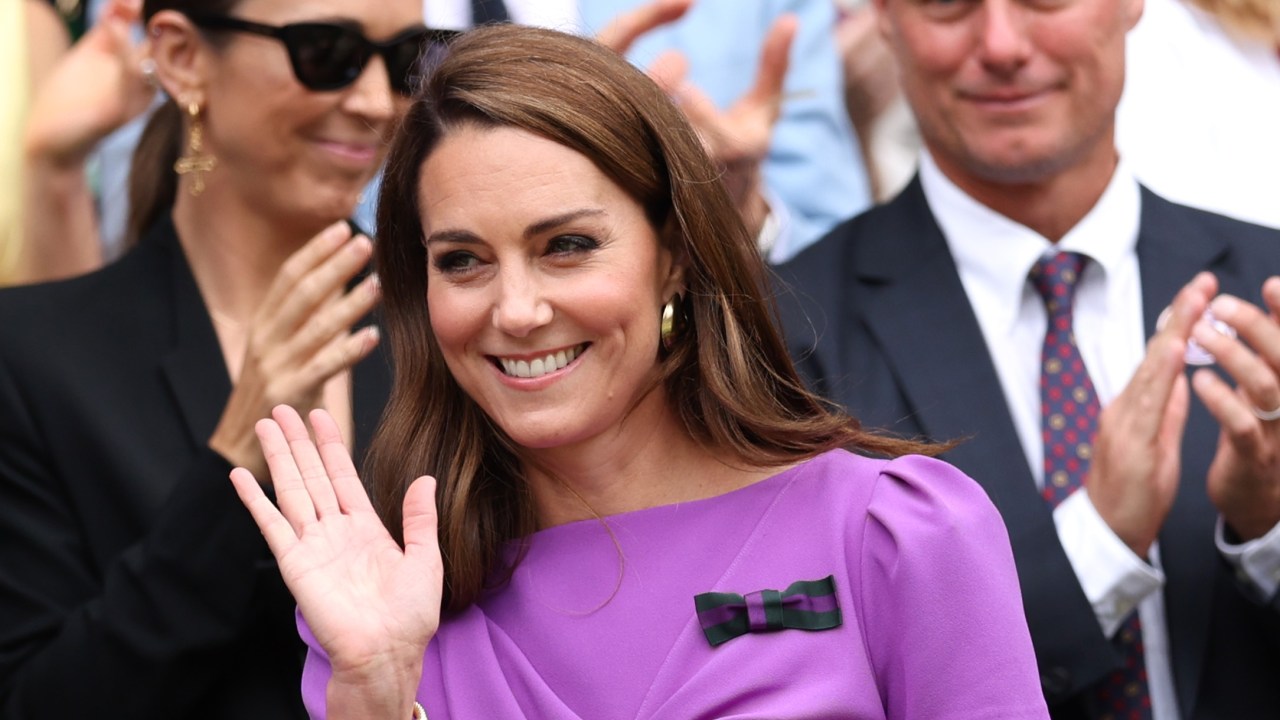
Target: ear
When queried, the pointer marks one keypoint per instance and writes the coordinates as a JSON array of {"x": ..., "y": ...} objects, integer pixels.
[
  {"x": 674, "y": 281},
  {"x": 181, "y": 56}
]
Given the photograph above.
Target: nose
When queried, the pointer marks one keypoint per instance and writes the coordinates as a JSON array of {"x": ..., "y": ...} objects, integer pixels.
[
  {"x": 371, "y": 96},
  {"x": 521, "y": 307},
  {"x": 1004, "y": 42}
]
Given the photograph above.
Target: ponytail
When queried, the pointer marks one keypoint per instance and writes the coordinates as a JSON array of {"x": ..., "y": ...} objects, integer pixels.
[{"x": 153, "y": 184}]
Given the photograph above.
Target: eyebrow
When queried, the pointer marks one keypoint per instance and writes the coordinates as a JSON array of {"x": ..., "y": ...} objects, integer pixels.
[{"x": 538, "y": 228}]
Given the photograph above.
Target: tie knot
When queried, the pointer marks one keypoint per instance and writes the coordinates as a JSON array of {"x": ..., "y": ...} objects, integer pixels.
[{"x": 1055, "y": 279}]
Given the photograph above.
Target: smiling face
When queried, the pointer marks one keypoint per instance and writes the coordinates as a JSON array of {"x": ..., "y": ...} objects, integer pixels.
[
  {"x": 1012, "y": 91},
  {"x": 545, "y": 284},
  {"x": 286, "y": 149}
]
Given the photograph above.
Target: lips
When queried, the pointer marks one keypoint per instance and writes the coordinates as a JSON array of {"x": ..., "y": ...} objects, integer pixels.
[
  {"x": 355, "y": 152},
  {"x": 538, "y": 366}
]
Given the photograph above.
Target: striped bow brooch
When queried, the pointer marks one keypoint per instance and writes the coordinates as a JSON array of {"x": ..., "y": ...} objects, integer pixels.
[{"x": 804, "y": 605}]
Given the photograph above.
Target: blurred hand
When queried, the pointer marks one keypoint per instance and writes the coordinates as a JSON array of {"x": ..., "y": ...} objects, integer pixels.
[
  {"x": 737, "y": 139},
  {"x": 1244, "y": 479},
  {"x": 97, "y": 87},
  {"x": 870, "y": 73},
  {"x": 1137, "y": 451},
  {"x": 371, "y": 605},
  {"x": 299, "y": 338}
]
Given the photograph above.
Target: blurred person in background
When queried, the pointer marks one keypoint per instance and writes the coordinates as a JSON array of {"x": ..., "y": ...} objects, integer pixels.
[
  {"x": 887, "y": 135},
  {"x": 32, "y": 37},
  {"x": 1199, "y": 116},
  {"x": 132, "y": 582},
  {"x": 1012, "y": 295}
]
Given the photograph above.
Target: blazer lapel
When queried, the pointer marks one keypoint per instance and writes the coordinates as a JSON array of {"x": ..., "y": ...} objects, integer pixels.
[
  {"x": 193, "y": 368},
  {"x": 917, "y": 310}
]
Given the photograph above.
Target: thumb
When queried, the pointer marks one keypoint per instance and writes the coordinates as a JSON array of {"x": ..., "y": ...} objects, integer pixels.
[{"x": 420, "y": 518}]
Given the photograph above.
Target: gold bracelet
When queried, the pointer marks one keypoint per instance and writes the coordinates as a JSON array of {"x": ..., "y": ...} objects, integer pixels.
[{"x": 418, "y": 712}]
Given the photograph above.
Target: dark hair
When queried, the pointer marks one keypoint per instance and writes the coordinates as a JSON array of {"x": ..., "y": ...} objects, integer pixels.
[
  {"x": 153, "y": 185},
  {"x": 730, "y": 379}
]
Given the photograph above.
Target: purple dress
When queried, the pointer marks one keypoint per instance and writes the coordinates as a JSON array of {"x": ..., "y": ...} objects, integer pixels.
[{"x": 599, "y": 620}]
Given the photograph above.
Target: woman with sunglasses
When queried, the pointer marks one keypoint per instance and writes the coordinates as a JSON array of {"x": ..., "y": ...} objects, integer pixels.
[
  {"x": 132, "y": 582},
  {"x": 640, "y": 511}
]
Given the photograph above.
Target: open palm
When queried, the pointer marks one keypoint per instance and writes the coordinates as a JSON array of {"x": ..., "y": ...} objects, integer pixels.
[{"x": 369, "y": 602}]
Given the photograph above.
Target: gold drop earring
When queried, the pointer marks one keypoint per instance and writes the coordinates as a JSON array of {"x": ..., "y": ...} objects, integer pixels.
[{"x": 195, "y": 162}]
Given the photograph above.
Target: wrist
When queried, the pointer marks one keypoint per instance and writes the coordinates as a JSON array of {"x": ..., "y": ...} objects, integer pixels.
[{"x": 383, "y": 689}]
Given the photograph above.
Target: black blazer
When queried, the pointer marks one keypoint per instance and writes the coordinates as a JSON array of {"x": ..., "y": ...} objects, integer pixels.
[
  {"x": 878, "y": 320},
  {"x": 133, "y": 584}
]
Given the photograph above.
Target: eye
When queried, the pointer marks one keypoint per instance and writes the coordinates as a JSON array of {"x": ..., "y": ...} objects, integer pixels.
[
  {"x": 455, "y": 262},
  {"x": 946, "y": 9},
  {"x": 570, "y": 245}
]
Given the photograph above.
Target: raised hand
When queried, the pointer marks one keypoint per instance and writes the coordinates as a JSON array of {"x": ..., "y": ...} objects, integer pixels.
[
  {"x": 1137, "y": 463},
  {"x": 299, "y": 338},
  {"x": 97, "y": 86},
  {"x": 1244, "y": 478},
  {"x": 371, "y": 605},
  {"x": 736, "y": 138}
]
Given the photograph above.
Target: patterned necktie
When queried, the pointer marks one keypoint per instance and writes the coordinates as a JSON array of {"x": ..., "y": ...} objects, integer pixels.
[
  {"x": 488, "y": 11},
  {"x": 1069, "y": 418}
]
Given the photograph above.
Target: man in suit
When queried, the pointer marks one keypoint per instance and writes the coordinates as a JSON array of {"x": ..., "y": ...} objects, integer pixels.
[{"x": 1009, "y": 298}]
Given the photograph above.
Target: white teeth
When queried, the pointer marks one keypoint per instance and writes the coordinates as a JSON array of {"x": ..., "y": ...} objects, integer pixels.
[{"x": 541, "y": 366}]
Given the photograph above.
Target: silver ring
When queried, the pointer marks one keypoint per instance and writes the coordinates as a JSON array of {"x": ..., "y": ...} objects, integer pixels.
[{"x": 1266, "y": 415}]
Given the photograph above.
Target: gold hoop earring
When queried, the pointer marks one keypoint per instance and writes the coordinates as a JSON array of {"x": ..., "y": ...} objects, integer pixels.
[
  {"x": 195, "y": 162},
  {"x": 673, "y": 322}
]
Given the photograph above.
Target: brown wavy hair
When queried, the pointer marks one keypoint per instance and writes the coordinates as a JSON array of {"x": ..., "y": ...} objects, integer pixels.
[{"x": 730, "y": 378}]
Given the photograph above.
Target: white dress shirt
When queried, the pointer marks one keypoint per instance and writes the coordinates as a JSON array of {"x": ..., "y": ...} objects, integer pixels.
[{"x": 994, "y": 256}]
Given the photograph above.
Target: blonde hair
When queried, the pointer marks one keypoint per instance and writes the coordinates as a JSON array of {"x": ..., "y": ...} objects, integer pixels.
[
  {"x": 15, "y": 95},
  {"x": 1256, "y": 18}
]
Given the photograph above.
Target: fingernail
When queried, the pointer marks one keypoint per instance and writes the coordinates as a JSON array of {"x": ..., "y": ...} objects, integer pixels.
[
  {"x": 360, "y": 245},
  {"x": 375, "y": 284},
  {"x": 1224, "y": 306},
  {"x": 372, "y": 333}
]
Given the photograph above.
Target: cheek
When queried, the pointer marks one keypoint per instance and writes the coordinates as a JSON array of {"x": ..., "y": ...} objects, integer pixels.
[{"x": 451, "y": 321}]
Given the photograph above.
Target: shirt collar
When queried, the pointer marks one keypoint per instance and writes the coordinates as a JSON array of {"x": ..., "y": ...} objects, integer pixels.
[{"x": 1106, "y": 235}]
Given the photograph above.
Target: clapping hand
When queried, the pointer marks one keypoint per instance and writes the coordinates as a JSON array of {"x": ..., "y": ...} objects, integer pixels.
[
  {"x": 299, "y": 338},
  {"x": 1137, "y": 459},
  {"x": 736, "y": 138},
  {"x": 1244, "y": 478},
  {"x": 371, "y": 605}
]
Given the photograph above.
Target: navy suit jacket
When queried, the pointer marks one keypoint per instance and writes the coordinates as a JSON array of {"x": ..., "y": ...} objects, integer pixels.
[{"x": 877, "y": 319}]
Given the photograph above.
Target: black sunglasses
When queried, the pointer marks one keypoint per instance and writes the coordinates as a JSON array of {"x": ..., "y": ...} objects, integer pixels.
[{"x": 327, "y": 56}]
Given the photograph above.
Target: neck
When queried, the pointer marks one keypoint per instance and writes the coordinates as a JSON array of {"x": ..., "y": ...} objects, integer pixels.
[
  {"x": 1051, "y": 204},
  {"x": 233, "y": 251},
  {"x": 648, "y": 460}
]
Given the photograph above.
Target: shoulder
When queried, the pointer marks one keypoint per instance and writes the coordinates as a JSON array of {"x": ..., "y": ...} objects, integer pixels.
[
  {"x": 923, "y": 504},
  {"x": 67, "y": 315},
  {"x": 1183, "y": 220},
  {"x": 908, "y": 488}
]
